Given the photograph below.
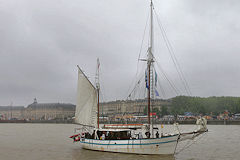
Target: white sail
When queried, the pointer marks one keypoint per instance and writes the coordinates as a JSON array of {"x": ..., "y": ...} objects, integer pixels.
[{"x": 86, "y": 102}]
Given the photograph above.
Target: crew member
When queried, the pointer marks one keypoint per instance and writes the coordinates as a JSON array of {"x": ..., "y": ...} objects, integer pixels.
[{"x": 157, "y": 135}]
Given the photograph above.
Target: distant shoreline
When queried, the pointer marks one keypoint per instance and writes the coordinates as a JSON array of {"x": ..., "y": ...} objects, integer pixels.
[
  {"x": 209, "y": 122},
  {"x": 186, "y": 122},
  {"x": 38, "y": 121}
]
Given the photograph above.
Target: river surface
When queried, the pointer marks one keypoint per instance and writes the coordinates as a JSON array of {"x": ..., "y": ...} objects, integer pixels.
[{"x": 51, "y": 142}]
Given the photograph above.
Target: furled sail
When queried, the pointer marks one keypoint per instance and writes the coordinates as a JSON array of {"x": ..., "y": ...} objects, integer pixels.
[{"x": 86, "y": 102}]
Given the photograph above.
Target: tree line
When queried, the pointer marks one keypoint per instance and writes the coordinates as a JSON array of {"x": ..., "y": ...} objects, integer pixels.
[{"x": 204, "y": 106}]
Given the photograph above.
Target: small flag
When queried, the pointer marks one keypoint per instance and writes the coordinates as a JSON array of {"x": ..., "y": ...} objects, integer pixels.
[
  {"x": 146, "y": 79},
  {"x": 156, "y": 93},
  {"x": 155, "y": 78}
]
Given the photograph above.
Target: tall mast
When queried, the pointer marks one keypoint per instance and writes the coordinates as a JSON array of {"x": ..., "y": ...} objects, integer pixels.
[
  {"x": 149, "y": 63},
  {"x": 151, "y": 28},
  {"x": 98, "y": 88},
  {"x": 98, "y": 106}
]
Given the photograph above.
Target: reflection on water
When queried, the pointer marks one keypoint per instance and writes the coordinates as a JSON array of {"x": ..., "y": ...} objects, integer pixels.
[
  {"x": 80, "y": 153},
  {"x": 51, "y": 142}
]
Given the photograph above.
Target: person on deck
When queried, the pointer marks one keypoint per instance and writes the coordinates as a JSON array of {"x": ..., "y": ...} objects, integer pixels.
[
  {"x": 103, "y": 136},
  {"x": 148, "y": 134},
  {"x": 140, "y": 135},
  {"x": 157, "y": 135}
]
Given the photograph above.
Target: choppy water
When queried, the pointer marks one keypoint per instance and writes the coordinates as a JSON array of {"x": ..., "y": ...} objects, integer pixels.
[{"x": 51, "y": 142}]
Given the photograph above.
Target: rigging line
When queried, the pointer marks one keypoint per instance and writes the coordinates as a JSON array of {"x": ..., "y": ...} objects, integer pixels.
[
  {"x": 175, "y": 90},
  {"x": 174, "y": 61},
  {"x": 140, "y": 51},
  {"x": 142, "y": 88},
  {"x": 186, "y": 147},
  {"x": 160, "y": 86},
  {"x": 139, "y": 81},
  {"x": 102, "y": 88},
  {"x": 102, "y": 96},
  {"x": 173, "y": 56},
  {"x": 162, "y": 89},
  {"x": 138, "y": 84},
  {"x": 143, "y": 38},
  {"x": 137, "y": 92},
  {"x": 169, "y": 81},
  {"x": 140, "y": 75},
  {"x": 145, "y": 93}
]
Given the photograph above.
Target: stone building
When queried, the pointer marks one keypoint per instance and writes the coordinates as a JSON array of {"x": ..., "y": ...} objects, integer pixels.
[
  {"x": 112, "y": 107},
  {"x": 11, "y": 112},
  {"x": 49, "y": 111},
  {"x": 134, "y": 107}
]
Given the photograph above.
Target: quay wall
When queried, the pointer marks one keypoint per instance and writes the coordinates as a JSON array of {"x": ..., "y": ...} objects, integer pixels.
[
  {"x": 209, "y": 122},
  {"x": 36, "y": 121}
]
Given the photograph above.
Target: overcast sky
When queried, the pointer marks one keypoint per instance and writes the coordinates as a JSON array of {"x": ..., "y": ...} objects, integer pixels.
[{"x": 42, "y": 41}]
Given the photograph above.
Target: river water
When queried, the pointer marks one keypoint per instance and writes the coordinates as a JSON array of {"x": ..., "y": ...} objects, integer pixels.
[{"x": 51, "y": 142}]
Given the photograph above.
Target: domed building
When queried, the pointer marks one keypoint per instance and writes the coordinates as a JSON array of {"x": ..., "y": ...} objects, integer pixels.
[{"x": 49, "y": 111}]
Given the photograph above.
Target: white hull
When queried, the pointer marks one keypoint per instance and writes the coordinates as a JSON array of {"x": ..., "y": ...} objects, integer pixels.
[{"x": 164, "y": 145}]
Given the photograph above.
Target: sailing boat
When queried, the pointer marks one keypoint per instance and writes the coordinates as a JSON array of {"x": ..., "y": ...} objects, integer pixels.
[
  {"x": 122, "y": 140},
  {"x": 112, "y": 140}
]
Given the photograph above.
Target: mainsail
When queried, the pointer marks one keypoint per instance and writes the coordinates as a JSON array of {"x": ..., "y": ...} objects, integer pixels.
[{"x": 86, "y": 109}]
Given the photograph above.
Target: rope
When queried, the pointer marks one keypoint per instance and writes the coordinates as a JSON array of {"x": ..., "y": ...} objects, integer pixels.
[
  {"x": 176, "y": 144},
  {"x": 173, "y": 56},
  {"x": 169, "y": 81},
  {"x": 140, "y": 51},
  {"x": 186, "y": 147},
  {"x": 162, "y": 89},
  {"x": 102, "y": 87},
  {"x": 138, "y": 82}
]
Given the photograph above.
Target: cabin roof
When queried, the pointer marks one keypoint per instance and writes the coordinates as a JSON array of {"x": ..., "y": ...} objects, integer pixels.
[{"x": 113, "y": 130}]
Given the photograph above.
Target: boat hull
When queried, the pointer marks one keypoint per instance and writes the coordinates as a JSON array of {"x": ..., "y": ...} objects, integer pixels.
[{"x": 164, "y": 145}]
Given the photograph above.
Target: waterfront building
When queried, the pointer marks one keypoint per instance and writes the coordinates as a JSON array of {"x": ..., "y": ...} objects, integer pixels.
[
  {"x": 49, "y": 111},
  {"x": 132, "y": 107},
  {"x": 11, "y": 112}
]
